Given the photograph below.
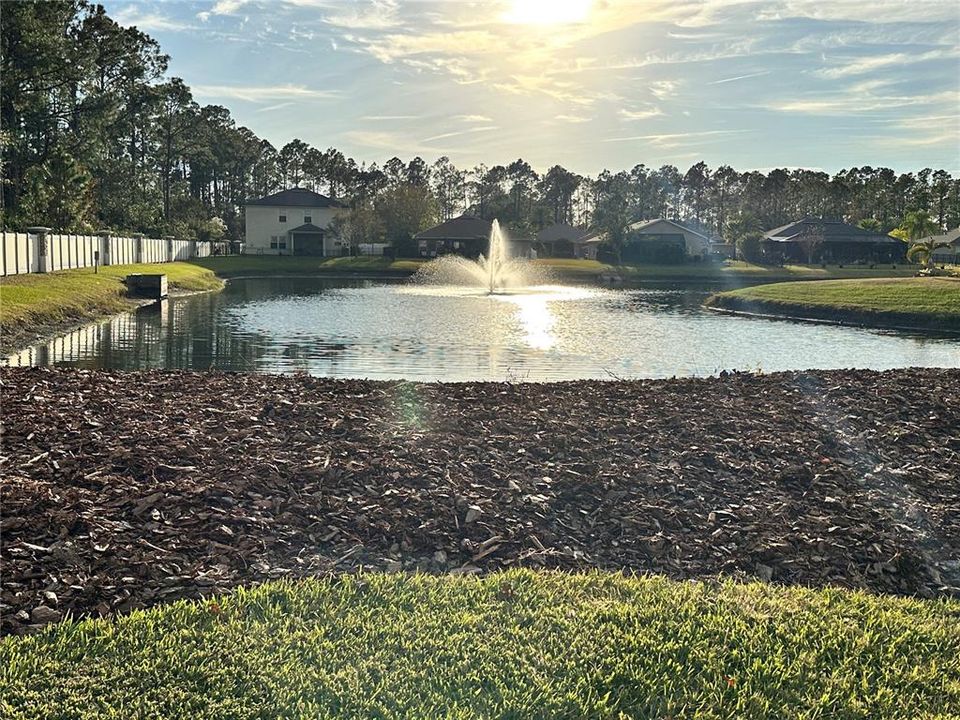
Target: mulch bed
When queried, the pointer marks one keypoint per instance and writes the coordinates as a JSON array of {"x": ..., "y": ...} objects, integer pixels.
[{"x": 123, "y": 490}]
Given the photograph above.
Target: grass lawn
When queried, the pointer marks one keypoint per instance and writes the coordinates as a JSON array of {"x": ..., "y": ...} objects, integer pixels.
[
  {"x": 934, "y": 299},
  {"x": 75, "y": 295},
  {"x": 513, "y": 644},
  {"x": 239, "y": 265},
  {"x": 233, "y": 266}
]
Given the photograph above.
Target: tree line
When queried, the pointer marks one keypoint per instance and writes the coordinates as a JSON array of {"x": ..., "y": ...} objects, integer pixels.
[{"x": 94, "y": 134}]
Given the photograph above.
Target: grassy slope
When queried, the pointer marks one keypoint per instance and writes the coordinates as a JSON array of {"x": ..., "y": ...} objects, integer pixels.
[
  {"x": 239, "y": 265},
  {"x": 936, "y": 300},
  {"x": 515, "y": 644},
  {"x": 75, "y": 295}
]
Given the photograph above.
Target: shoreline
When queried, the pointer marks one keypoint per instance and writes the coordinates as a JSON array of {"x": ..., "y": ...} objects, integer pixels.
[
  {"x": 833, "y": 315},
  {"x": 43, "y": 333},
  {"x": 674, "y": 477}
]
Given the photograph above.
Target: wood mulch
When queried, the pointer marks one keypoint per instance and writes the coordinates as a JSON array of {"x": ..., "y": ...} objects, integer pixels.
[{"x": 122, "y": 490}]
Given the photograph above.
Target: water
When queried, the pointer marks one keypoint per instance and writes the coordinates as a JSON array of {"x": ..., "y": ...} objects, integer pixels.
[{"x": 370, "y": 329}]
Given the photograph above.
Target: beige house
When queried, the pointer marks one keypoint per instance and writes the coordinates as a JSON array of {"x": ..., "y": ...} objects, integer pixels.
[
  {"x": 648, "y": 238},
  {"x": 292, "y": 222}
]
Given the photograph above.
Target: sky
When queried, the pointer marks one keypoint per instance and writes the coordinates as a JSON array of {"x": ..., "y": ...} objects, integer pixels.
[{"x": 588, "y": 84}]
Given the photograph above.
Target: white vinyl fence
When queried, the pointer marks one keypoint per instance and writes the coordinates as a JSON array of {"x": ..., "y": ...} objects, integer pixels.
[{"x": 34, "y": 252}]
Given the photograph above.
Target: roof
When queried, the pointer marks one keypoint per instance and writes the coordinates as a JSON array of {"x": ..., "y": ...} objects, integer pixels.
[
  {"x": 307, "y": 228},
  {"x": 639, "y": 227},
  {"x": 561, "y": 231},
  {"x": 833, "y": 231},
  {"x": 951, "y": 236},
  {"x": 465, "y": 227},
  {"x": 296, "y": 197}
]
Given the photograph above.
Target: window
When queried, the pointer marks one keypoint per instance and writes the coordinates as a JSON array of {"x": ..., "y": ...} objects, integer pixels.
[
  {"x": 283, "y": 244},
  {"x": 273, "y": 242},
  {"x": 308, "y": 218},
  {"x": 283, "y": 218}
]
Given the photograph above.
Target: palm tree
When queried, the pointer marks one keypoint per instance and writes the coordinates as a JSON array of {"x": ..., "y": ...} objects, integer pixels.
[{"x": 918, "y": 228}]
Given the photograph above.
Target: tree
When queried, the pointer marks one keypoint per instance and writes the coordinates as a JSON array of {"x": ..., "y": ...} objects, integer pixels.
[
  {"x": 405, "y": 210},
  {"x": 871, "y": 224},
  {"x": 915, "y": 227},
  {"x": 360, "y": 226}
]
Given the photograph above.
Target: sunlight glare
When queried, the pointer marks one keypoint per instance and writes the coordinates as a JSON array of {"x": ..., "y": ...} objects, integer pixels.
[{"x": 547, "y": 12}]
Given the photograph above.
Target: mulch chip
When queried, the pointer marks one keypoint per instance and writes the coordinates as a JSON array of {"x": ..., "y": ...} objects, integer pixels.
[{"x": 124, "y": 490}]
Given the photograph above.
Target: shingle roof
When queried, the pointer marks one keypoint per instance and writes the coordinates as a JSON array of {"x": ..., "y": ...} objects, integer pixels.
[
  {"x": 465, "y": 227},
  {"x": 561, "y": 231},
  {"x": 296, "y": 197},
  {"x": 833, "y": 231},
  {"x": 951, "y": 236},
  {"x": 643, "y": 224}
]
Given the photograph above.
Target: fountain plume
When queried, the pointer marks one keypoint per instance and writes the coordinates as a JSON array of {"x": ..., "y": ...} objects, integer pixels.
[{"x": 495, "y": 271}]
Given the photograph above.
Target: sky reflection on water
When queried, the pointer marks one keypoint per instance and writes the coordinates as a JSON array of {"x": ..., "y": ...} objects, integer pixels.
[{"x": 421, "y": 332}]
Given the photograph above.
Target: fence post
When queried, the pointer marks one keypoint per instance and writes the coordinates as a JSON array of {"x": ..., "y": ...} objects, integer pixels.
[
  {"x": 43, "y": 258},
  {"x": 169, "y": 239},
  {"x": 138, "y": 247},
  {"x": 104, "y": 236}
]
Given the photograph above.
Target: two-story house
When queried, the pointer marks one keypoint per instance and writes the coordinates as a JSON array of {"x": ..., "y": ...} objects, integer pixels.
[{"x": 292, "y": 222}]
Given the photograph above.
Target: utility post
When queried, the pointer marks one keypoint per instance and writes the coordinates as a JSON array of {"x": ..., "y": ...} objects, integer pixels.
[{"x": 105, "y": 236}]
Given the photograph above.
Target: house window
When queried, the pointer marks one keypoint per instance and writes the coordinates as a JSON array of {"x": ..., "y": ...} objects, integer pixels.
[
  {"x": 282, "y": 244},
  {"x": 273, "y": 242},
  {"x": 308, "y": 218},
  {"x": 283, "y": 218}
]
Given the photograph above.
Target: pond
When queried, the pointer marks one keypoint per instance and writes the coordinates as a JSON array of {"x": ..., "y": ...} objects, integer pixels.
[{"x": 367, "y": 329}]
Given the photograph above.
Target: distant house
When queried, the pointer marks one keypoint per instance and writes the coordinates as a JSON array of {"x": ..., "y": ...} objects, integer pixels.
[
  {"x": 465, "y": 235},
  {"x": 816, "y": 240},
  {"x": 951, "y": 253},
  {"x": 562, "y": 240},
  {"x": 660, "y": 240},
  {"x": 292, "y": 222}
]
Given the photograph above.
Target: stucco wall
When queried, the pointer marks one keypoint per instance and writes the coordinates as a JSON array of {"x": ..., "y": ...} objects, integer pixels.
[{"x": 263, "y": 222}]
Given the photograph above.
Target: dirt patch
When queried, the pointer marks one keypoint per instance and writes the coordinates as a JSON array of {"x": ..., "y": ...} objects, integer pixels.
[{"x": 122, "y": 490}]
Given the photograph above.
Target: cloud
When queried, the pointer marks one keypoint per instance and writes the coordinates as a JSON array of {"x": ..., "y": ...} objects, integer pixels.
[
  {"x": 573, "y": 118},
  {"x": 640, "y": 114},
  {"x": 740, "y": 77},
  {"x": 380, "y": 118},
  {"x": 132, "y": 16},
  {"x": 863, "y": 65},
  {"x": 859, "y": 100},
  {"x": 378, "y": 15},
  {"x": 672, "y": 140},
  {"x": 473, "y": 118},
  {"x": 262, "y": 94},
  {"x": 441, "y": 136},
  {"x": 278, "y": 106},
  {"x": 222, "y": 7}
]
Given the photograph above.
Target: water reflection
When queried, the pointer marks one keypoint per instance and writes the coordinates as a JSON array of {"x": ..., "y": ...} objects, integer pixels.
[{"x": 366, "y": 329}]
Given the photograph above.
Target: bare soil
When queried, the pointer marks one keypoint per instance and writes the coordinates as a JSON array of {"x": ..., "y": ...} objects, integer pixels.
[{"x": 123, "y": 490}]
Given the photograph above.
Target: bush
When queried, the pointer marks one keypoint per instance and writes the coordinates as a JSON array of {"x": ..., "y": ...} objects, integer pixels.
[{"x": 749, "y": 247}]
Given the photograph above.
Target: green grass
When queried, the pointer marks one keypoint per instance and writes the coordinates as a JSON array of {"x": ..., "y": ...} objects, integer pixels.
[
  {"x": 517, "y": 644},
  {"x": 75, "y": 295},
  {"x": 934, "y": 299},
  {"x": 235, "y": 266},
  {"x": 240, "y": 265}
]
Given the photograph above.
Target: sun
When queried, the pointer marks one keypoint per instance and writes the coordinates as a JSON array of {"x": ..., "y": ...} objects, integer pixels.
[{"x": 547, "y": 12}]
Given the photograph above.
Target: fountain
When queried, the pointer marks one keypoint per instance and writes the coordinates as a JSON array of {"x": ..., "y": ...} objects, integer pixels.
[{"x": 496, "y": 271}]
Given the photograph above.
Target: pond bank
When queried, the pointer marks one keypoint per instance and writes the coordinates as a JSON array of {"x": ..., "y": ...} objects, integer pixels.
[
  {"x": 125, "y": 489},
  {"x": 907, "y": 303},
  {"x": 38, "y": 306}
]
